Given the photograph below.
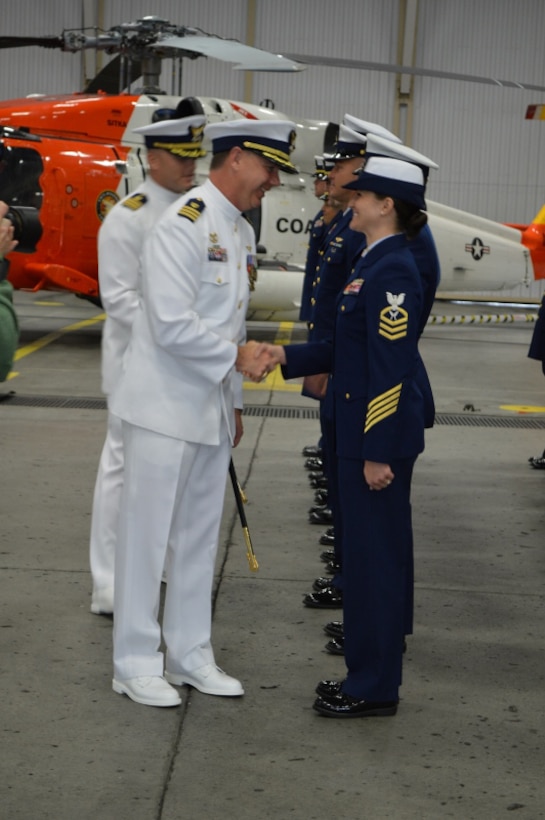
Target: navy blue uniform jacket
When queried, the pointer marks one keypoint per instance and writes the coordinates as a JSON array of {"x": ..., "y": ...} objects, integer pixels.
[
  {"x": 317, "y": 235},
  {"x": 537, "y": 345},
  {"x": 380, "y": 404}
]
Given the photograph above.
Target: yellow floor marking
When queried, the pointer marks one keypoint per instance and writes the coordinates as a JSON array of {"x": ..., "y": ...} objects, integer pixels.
[
  {"x": 48, "y": 304},
  {"x": 522, "y": 408},
  {"x": 52, "y": 337}
]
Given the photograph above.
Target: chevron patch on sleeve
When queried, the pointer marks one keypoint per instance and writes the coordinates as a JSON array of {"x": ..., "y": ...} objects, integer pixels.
[{"x": 382, "y": 406}]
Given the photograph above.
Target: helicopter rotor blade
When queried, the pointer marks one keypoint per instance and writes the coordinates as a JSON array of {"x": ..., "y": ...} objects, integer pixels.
[
  {"x": 311, "y": 59},
  {"x": 231, "y": 51},
  {"x": 19, "y": 42}
]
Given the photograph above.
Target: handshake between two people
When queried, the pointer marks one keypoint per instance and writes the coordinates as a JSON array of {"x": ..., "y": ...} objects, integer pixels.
[{"x": 256, "y": 359}]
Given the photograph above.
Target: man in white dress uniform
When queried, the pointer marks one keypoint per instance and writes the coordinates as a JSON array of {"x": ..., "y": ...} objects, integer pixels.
[
  {"x": 172, "y": 146},
  {"x": 180, "y": 399}
]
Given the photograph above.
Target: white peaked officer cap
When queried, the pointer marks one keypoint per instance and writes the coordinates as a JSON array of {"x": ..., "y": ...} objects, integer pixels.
[
  {"x": 365, "y": 127},
  {"x": 376, "y": 146},
  {"x": 182, "y": 137},
  {"x": 349, "y": 144},
  {"x": 272, "y": 139},
  {"x": 392, "y": 177},
  {"x": 319, "y": 168}
]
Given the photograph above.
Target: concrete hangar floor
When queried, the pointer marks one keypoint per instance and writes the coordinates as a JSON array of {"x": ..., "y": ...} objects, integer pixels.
[{"x": 467, "y": 741}]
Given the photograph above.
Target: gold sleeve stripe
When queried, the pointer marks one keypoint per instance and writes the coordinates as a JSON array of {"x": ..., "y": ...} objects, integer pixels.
[{"x": 382, "y": 406}]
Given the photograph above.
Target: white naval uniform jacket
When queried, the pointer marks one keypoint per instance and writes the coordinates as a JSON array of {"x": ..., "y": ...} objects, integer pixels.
[
  {"x": 120, "y": 242},
  {"x": 179, "y": 378}
]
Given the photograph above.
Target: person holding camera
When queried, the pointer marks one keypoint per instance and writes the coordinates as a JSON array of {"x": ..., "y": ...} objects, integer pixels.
[{"x": 9, "y": 326}]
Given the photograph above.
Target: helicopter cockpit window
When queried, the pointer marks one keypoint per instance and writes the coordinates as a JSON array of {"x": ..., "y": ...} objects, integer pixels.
[{"x": 20, "y": 171}]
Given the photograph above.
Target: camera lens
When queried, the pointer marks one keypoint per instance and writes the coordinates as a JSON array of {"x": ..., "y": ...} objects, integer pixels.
[{"x": 27, "y": 228}]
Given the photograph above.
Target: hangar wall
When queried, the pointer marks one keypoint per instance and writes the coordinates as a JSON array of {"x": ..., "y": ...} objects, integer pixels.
[{"x": 490, "y": 157}]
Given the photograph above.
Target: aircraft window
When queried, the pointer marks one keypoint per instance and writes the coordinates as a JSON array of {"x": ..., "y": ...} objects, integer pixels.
[{"x": 20, "y": 171}]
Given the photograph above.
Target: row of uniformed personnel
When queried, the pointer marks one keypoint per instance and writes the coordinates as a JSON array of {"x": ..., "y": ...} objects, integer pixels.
[{"x": 373, "y": 288}]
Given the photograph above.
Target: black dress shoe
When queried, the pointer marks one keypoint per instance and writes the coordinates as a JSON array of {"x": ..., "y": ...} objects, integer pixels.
[
  {"x": 314, "y": 463},
  {"x": 319, "y": 483},
  {"x": 332, "y": 568},
  {"x": 327, "y": 540},
  {"x": 321, "y": 583},
  {"x": 335, "y": 646},
  {"x": 315, "y": 474},
  {"x": 327, "y": 555},
  {"x": 538, "y": 463},
  {"x": 328, "y": 688},
  {"x": 345, "y": 706},
  {"x": 324, "y": 516},
  {"x": 312, "y": 450},
  {"x": 330, "y": 598},
  {"x": 318, "y": 508},
  {"x": 320, "y": 497},
  {"x": 335, "y": 629}
]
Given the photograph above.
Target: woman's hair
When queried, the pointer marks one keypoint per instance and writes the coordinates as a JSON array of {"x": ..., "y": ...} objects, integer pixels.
[{"x": 410, "y": 219}]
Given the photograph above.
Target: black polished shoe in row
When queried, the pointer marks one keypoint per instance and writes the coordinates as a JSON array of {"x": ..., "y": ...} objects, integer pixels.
[
  {"x": 330, "y": 598},
  {"x": 321, "y": 517},
  {"x": 335, "y": 646},
  {"x": 318, "y": 508},
  {"x": 320, "y": 497},
  {"x": 345, "y": 706},
  {"x": 327, "y": 555},
  {"x": 332, "y": 567},
  {"x": 318, "y": 483},
  {"x": 312, "y": 451},
  {"x": 537, "y": 463},
  {"x": 321, "y": 583},
  {"x": 328, "y": 688},
  {"x": 327, "y": 540},
  {"x": 314, "y": 463},
  {"x": 335, "y": 629}
]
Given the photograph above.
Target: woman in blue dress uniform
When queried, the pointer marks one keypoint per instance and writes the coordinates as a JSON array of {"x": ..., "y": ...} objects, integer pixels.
[{"x": 382, "y": 404}]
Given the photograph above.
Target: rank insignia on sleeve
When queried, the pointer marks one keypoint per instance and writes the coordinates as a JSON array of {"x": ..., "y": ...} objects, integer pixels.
[
  {"x": 382, "y": 406},
  {"x": 192, "y": 209},
  {"x": 135, "y": 202},
  {"x": 353, "y": 287},
  {"x": 393, "y": 319},
  {"x": 251, "y": 265}
]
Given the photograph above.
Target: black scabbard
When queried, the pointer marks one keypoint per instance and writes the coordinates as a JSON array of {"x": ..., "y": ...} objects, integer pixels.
[{"x": 250, "y": 554}]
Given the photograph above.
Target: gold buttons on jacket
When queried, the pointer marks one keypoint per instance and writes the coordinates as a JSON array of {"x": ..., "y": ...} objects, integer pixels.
[
  {"x": 347, "y": 395},
  {"x": 219, "y": 280},
  {"x": 342, "y": 307}
]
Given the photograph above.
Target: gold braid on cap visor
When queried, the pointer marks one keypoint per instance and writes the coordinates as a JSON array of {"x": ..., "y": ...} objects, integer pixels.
[
  {"x": 186, "y": 150},
  {"x": 274, "y": 154}
]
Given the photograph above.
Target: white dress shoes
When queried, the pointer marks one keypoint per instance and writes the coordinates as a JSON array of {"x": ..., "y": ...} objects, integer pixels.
[
  {"x": 102, "y": 601},
  {"x": 150, "y": 691},
  {"x": 209, "y": 679}
]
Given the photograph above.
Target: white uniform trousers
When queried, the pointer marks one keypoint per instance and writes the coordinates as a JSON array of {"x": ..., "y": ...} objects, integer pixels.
[
  {"x": 106, "y": 502},
  {"x": 171, "y": 508}
]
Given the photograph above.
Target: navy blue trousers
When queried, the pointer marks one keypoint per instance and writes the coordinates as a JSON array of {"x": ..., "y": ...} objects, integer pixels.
[{"x": 377, "y": 555}]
